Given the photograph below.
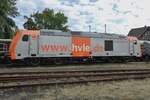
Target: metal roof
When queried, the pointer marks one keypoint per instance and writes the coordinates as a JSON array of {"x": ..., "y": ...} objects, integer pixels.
[{"x": 79, "y": 33}]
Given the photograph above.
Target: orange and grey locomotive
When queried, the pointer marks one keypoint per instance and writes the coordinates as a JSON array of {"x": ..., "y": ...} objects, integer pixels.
[{"x": 54, "y": 46}]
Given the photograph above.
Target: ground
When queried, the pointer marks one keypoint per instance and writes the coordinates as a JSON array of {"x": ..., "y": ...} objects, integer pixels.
[
  {"x": 121, "y": 90},
  {"x": 117, "y": 90},
  {"x": 75, "y": 67}
]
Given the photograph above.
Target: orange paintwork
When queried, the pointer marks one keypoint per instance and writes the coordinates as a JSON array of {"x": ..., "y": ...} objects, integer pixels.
[
  {"x": 53, "y": 48},
  {"x": 13, "y": 45},
  {"x": 32, "y": 33},
  {"x": 81, "y": 46},
  {"x": 16, "y": 39},
  {"x": 132, "y": 39},
  {"x": 98, "y": 48}
]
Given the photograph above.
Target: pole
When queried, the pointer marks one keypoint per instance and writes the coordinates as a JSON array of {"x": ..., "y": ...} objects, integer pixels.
[
  {"x": 89, "y": 28},
  {"x": 105, "y": 28}
]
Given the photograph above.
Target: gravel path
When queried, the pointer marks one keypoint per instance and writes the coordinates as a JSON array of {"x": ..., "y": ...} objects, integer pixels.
[{"x": 76, "y": 67}]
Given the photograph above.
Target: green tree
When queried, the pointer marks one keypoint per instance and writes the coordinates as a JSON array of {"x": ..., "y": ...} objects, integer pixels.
[
  {"x": 8, "y": 11},
  {"x": 47, "y": 19}
]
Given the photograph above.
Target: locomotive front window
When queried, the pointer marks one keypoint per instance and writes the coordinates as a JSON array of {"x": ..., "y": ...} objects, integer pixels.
[
  {"x": 25, "y": 38},
  {"x": 108, "y": 45}
]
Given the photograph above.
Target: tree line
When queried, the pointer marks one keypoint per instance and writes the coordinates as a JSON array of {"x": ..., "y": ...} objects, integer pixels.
[{"x": 47, "y": 19}]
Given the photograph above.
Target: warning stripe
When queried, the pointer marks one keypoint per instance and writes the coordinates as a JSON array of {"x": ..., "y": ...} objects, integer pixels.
[{"x": 13, "y": 45}]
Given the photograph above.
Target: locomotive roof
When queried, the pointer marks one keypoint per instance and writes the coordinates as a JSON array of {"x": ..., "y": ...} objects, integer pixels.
[{"x": 82, "y": 34}]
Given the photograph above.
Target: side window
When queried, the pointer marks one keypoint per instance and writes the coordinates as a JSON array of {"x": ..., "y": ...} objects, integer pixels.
[
  {"x": 108, "y": 45},
  {"x": 25, "y": 38}
]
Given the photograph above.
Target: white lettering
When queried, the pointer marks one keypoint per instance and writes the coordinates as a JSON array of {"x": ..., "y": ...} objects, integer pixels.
[{"x": 80, "y": 48}]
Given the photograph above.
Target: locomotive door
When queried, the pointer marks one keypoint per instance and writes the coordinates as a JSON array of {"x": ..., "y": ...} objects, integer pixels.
[
  {"x": 131, "y": 49},
  {"x": 33, "y": 46}
]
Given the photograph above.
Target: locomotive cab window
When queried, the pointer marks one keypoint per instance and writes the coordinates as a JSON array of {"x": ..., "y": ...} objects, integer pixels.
[
  {"x": 108, "y": 45},
  {"x": 25, "y": 38},
  {"x": 135, "y": 42}
]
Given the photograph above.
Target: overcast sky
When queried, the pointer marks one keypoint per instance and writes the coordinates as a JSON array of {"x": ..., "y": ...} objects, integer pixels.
[{"x": 119, "y": 15}]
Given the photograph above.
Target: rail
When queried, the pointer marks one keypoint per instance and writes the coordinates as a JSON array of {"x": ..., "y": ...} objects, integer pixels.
[{"x": 69, "y": 77}]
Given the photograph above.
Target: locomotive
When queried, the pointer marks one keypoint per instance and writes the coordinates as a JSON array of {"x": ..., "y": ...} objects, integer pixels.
[
  {"x": 41, "y": 46},
  {"x": 4, "y": 46}
]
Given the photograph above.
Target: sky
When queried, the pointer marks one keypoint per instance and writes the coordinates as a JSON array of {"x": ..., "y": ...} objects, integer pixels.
[{"x": 118, "y": 15}]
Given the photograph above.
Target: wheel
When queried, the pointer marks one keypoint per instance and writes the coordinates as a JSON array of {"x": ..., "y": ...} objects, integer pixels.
[
  {"x": 8, "y": 61},
  {"x": 58, "y": 61},
  {"x": 147, "y": 59},
  {"x": 35, "y": 61}
]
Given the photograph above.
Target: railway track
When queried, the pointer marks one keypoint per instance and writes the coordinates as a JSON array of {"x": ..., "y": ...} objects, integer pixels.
[{"x": 16, "y": 79}]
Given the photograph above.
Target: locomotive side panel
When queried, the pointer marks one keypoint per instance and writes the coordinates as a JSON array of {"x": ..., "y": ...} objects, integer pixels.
[
  {"x": 121, "y": 47},
  {"x": 54, "y": 46},
  {"x": 110, "y": 47},
  {"x": 97, "y": 47}
]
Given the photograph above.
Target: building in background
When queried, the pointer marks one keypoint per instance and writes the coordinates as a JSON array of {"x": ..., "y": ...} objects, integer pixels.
[{"x": 142, "y": 33}]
